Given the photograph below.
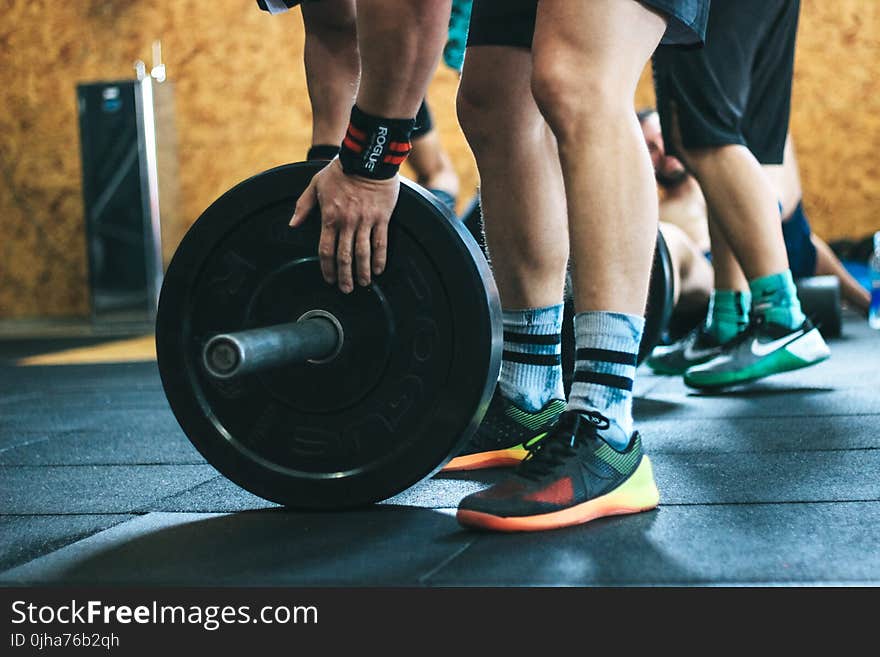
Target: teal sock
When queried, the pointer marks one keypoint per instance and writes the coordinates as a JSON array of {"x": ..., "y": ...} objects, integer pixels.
[
  {"x": 775, "y": 298},
  {"x": 728, "y": 314}
]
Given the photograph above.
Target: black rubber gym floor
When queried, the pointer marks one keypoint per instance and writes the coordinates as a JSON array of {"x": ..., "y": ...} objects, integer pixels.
[{"x": 775, "y": 483}]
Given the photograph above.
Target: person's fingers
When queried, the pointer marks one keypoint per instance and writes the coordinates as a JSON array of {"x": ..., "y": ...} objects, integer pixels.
[
  {"x": 362, "y": 254},
  {"x": 344, "y": 258},
  {"x": 380, "y": 247},
  {"x": 327, "y": 251},
  {"x": 305, "y": 204}
]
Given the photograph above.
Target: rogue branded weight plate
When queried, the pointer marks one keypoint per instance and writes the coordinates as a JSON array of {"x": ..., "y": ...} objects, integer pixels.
[{"x": 417, "y": 367}]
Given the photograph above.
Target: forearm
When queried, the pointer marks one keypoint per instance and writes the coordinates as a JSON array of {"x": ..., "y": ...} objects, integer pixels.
[
  {"x": 332, "y": 66},
  {"x": 400, "y": 43},
  {"x": 850, "y": 289}
]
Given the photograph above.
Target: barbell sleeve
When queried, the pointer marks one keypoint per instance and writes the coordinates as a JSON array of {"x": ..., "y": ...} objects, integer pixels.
[{"x": 313, "y": 339}]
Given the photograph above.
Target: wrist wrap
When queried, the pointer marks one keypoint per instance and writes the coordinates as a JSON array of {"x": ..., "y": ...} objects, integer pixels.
[
  {"x": 322, "y": 152},
  {"x": 375, "y": 147}
]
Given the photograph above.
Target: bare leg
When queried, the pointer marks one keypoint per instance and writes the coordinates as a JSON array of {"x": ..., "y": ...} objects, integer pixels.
[
  {"x": 332, "y": 66},
  {"x": 588, "y": 57},
  {"x": 728, "y": 275},
  {"x": 787, "y": 181},
  {"x": 522, "y": 196},
  {"x": 743, "y": 206},
  {"x": 431, "y": 164},
  {"x": 850, "y": 289},
  {"x": 691, "y": 271},
  {"x": 523, "y": 207}
]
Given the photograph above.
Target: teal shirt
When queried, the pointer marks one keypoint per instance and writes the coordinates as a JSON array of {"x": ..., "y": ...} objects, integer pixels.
[{"x": 459, "y": 22}]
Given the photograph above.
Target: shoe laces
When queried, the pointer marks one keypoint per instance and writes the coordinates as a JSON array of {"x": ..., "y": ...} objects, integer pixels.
[{"x": 561, "y": 442}]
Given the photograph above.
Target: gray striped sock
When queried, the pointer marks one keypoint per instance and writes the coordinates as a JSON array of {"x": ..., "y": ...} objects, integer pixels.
[
  {"x": 531, "y": 366},
  {"x": 607, "y": 347}
]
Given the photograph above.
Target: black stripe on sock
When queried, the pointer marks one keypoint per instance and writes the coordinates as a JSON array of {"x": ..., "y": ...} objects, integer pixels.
[
  {"x": 531, "y": 359},
  {"x": 526, "y": 338},
  {"x": 610, "y": 380},
  {"x": 608, "y": 356}
]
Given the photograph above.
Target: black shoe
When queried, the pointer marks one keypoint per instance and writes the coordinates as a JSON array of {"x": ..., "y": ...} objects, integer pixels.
[
  {"x": 764, "y": 349},
  {"x": 572, "y": 476},
  {"x": 504, "y": 434},
  {"x": 695, "y": 348}
]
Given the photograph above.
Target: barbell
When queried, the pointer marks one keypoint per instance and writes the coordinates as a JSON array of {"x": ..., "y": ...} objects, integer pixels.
[{"x": 316, "y": 399}]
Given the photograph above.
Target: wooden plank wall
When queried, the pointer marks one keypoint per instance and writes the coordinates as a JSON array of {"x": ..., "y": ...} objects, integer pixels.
[{"x": 241, "y": 107}]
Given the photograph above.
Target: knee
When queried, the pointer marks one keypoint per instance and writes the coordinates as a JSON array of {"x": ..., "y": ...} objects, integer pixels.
[
  {"x": 678, "y": 244},
  {"x": 335, "y": 21},
  {"x": 493, "y": 116},
  {"x": 702, "y": 159},
  {"x": 576, "y": 102},
  {"x": 477, "y": 112}
]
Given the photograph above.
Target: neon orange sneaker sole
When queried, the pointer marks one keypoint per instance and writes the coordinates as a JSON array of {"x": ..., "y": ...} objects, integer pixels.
[
  {"x": 500, "y": 458},
  {"x": 636, "y": 494}
]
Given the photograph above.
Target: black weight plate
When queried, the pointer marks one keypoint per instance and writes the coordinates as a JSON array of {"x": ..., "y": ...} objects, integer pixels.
[
  {"x": 414, "y": 377},
  {"x": 820, "y": 301},
  {"x": 661, "y": 294}
]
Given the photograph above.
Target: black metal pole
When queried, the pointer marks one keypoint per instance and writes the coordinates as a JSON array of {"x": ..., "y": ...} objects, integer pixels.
[{"x": 233, "y": 354}]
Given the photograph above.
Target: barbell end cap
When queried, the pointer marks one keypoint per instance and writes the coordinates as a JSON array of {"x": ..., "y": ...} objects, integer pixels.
[{"x": 222, "y": 356}]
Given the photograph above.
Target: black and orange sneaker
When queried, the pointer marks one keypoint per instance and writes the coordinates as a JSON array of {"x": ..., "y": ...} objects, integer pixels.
[
  {"x": 571, "y": 476},
  {"x": 504, "y": 434}
]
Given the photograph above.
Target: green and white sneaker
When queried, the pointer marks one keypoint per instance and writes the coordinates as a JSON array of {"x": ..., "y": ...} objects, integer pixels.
[
  {"x": 765, "y": 348},
  {"x": 696, "y": 348}
]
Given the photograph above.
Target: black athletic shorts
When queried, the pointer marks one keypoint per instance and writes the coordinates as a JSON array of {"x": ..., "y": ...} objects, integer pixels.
[
  {"x": 277, "y": 6},
  {"x": 736, "y": 89},
  {"x": 512, "y": 22}
]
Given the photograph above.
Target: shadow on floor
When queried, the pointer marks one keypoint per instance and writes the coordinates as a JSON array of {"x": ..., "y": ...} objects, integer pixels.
[
  {"x": 385, "y": 544},
  {"x": 758, "y": 390},
  {"x": 648, "y": 409}
]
